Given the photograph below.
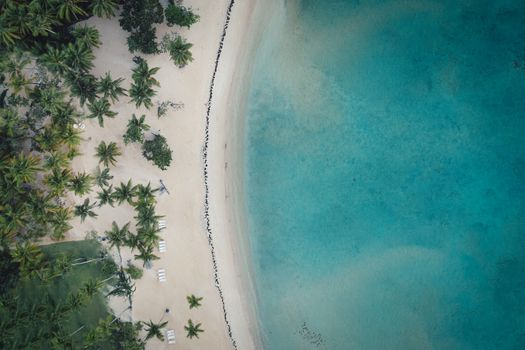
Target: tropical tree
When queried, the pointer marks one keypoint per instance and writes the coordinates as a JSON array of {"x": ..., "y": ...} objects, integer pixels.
[
  {"x": 92, "y": 287},
  {"x": 143, "y": 73},
  {"x": 8, "y": 35},
  {"x": 125, "y": 192},
  {"x": 138, "y": 17},
  {"x": 81, "y": 183},
  {"x": 106, "y": 196},
  {"x": 146, "y": 194},
  {"x": 110, "y": 88},
  {"x": 135, "y": 130},
  {"x": 100, "y": 109},
  {"x": 60, "y": 222},
  {"x": 180, "y": 15},
  {"x": 146, "y": 254},
  {"x": 158, "y": 151},
  {"x": 85, "y": 209},
  {"x": 104, "y": 8},
  {"x": 21, "y": 169},
  {"x": 69, "y": 9},
  {"x": 146, "y": 216},
  {"x": 194, "y": 301},
  {"x": 78, "y": 57},
  {"x": 134, "y": 272},
  {"x": 58, "y": 180},
  {"x": 107, "y": 153},
  {"x": 154, "y": 330},
  {"x": 193, "y": 329},
  {"x": 28, "y": 256},
  {"x": 84, "y": 87},
  {"x": 102, "y": 177},
  {"x": 141, "y": 94},
  {"x": 178, "y": 49},
  {"x": 117, "y": 236},
  {"x": 55, "y": 160},
  {"x": 88, "y": 36}
]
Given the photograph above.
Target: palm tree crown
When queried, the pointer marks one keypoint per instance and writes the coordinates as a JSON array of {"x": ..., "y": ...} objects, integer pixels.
[
  {"x": 107, "y": 153},
  {"x": 193, "y": 329}
]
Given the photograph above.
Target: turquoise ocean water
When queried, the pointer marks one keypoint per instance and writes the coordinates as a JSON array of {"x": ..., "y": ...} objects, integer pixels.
[{"x": 386, "y": 175}]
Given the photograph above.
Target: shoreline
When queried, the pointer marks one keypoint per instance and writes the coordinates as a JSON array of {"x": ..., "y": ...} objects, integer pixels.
[
  {"x": 209, "y": 86},
  {"x": 226, "y": 170}
]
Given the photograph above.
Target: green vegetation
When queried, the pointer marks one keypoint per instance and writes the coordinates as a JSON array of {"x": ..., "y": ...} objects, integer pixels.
[
  {"x": 85, "y": 209},
  {"x": 53, "y": 298},
  {"x": 178, "y": 49},
  {"x": 154, "y": 330},
  {"x": 134, "y": 272},
  {"x": 193, "y": 330},
  {"x": 180, "y": 15},
  {"x": 141, "y": 90},
  {"x": 135, "y": 130},
  {"x": 110, "y": 88},
  {"x": 107, "y": 153},
  {"x": 139, "y": 17},
  {"x": 100, "y": 109},
  {"x": 194, "y": 301},
  {"x": 158, "y": 151}
]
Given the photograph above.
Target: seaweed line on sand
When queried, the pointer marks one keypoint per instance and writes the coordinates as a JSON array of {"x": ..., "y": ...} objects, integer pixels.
[{"x": 205, "y": 169}]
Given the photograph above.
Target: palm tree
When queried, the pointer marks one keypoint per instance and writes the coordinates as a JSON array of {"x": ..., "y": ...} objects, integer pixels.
[
  {"x": 146, "y": 254},
  {"x": 110, "y": 88},
  {"x": 80, "y": 184},
  {"x": 92, "y": 287},
  {"x": 86, "y": 35},
  {"x": 132, "y": 241},
  {"x": 104, "y": 8},
  {"x": 55, "y": 160},
  {"x": 125, "y": 192},
  {"x": 85, "y": 209},
  {"x": 78, "y": 57},
  {"x": 107, "y": 153},
  {"x": 54, "y": 59},
  {"x": 155, "y": 330},
  {"x": 136, "y": 129},
  {"x": 194, "y": 301},
  {"x": 193, "y": 330},
  {"x": 106, "y": 196},
  {"x": 117, "y": 236},
  {"x": 71, "y": 137},
  {"x": 102, "y": 177},
  {"x": 83, "y": 86},
  {"x": 146, "y": 215},
  {"x": 146, "y": 194},
  {"x": 29, "y": 256},
  {"x": 141, "y": 94},
  {"x": 22, "y": 169},
  {"x": 58, "y": 180},
  {"x": 69, "y": 9},
  {"x": 148, "y": 235},
  {"x": 100, "y": 109},
  {"x": 8, "y": 35},
  {"x": 142, "y": 73},
  {"x": 41, "y": 23},
  {"x": 60, "y": 222},
  {"x": 179, "y": 51}
]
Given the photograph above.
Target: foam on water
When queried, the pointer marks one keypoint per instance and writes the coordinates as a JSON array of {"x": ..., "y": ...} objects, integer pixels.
[{"x": 385, "y": 175}]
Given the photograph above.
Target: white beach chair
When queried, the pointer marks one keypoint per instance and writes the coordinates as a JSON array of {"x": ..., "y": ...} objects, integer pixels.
[
  {"x": 162, "y": 224},
  {"x": 170, "y": 335},
  {"x": 161, "y": 273},
  {"x": 162, "y": 246}
]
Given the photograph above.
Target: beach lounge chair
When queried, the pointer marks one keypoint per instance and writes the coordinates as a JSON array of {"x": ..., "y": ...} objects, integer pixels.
[
  {"x": 161, "y": 273},
  {"x": 162, "y": 246},
  {"x": 162, "y": 224},
  {"x": 170, "y": 335}
]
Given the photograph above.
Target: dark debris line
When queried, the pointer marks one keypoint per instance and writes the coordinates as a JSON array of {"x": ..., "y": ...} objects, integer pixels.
[{"x": 206, "y": 188}]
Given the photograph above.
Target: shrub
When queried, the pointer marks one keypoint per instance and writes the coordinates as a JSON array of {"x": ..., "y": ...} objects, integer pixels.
[
  {"x": 158, "y": 151},
  {"x": 134, "y": 272},
  {"x": 180, "y": 15},
  {"x": 139, "y": 17}
]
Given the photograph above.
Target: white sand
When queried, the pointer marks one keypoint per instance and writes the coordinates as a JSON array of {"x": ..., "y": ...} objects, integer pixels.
[{"x": 188, "y": 260}]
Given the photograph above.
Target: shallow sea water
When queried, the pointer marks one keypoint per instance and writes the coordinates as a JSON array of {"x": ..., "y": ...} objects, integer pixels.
[{"x": 386, "y": 175}]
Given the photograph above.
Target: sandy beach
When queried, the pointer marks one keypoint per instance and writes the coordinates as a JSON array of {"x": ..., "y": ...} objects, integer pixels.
[{"x": 196, "y": 243}]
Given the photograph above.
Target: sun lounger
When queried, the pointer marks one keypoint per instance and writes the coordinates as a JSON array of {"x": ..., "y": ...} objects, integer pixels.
[
  {"x": 170, "y": 335},
  {"x": 162, "y": 224},
  {"x": 161, "y": 273},
  {"x": 162, "y": 246}
]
